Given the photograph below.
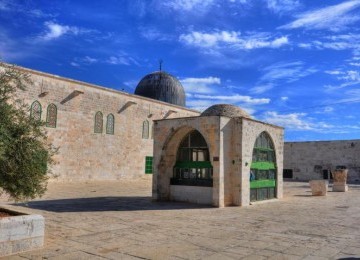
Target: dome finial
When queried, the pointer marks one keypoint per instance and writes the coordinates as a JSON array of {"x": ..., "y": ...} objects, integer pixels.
[{"x": 160, "y": 64}]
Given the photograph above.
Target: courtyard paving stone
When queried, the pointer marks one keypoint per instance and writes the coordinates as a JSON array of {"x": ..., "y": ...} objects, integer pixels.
[{"x": 118, "y": 220}]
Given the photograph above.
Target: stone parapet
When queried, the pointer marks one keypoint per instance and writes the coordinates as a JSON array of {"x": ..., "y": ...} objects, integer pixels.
[{"x": 21, "y": 233}]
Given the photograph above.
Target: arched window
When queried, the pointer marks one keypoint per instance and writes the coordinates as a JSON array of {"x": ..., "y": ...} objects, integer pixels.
[
  {"x": 98, "y": 127},
  {"x": 51, "y": 116},
  {"x": 193, "y": 166},
  {"x": 263, "y": 169},
  {"x": 35, "y": 110},
  {"x": 145, "y": 130},
  {"x": 110, "y": 120}
]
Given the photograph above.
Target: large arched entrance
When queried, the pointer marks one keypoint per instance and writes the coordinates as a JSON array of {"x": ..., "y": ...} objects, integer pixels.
[
  {"x": 193, "y": 166},
  {"x": 263, "y": 169}
]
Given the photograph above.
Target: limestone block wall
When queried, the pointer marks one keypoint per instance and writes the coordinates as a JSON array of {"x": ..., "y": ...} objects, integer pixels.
[
  {"x": 83, "y": 154},
  {"x": 193, "y": 194},
  {"x": 250, "y": 130},
  {"x": 309, "y": 160},
  {"x": 168, "y": 135}
]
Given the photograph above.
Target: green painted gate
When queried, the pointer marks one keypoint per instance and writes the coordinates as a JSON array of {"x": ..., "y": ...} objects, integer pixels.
[{"x": 263, "y": 169}]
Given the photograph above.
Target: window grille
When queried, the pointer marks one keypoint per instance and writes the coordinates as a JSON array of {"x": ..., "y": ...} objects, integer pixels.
[
  {"x": 51, "y": 116},
  {"x": 193, "y": 166},
  {"x": 110, "y": 122},
  {"x": 148, "y": 164},
  {"x": 98, "y": 127},
  {"x": 35, "y": 110},
  {"x": 263, "y": 169}
]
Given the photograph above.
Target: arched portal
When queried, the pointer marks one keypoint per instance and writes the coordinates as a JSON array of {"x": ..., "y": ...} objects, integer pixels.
[
  {"x": 193, "y": 166},
  {"x": 263, "y": 169}
]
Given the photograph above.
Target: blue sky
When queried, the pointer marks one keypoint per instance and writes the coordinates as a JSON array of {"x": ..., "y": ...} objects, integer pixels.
[{"x": 292, "y": 63}]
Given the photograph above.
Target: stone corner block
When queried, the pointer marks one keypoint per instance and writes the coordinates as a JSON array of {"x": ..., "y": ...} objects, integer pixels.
[{"x": 319, "y": 187}]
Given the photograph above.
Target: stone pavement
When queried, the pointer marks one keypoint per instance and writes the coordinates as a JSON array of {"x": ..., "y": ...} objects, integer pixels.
[{"x": 118, "y": 220}]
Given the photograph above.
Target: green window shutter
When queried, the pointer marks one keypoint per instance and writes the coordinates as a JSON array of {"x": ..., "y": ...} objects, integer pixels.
[{"x": 148, "y": 164}]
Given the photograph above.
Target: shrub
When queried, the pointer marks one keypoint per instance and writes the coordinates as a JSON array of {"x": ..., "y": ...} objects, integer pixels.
[{"x": 24, "y": 151}]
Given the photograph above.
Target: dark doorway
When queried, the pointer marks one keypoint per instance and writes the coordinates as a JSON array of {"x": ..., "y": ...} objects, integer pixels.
[
  {"x": 287, "y": 173},
  {"x": 325, "y": 174}
]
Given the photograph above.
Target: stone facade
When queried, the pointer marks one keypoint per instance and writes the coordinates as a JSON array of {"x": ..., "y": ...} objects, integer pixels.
[
  {"x": 230, "y": 142},
  {"x": 84, "y": 154},
  {"x": 316, "y": 160}
]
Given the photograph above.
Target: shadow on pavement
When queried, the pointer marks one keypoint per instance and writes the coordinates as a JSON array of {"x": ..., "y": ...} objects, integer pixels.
[{"x": 108, "y": 204}]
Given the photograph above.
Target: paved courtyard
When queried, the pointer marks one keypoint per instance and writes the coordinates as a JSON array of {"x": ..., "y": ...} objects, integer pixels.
[{"x": 118, "y": 220}]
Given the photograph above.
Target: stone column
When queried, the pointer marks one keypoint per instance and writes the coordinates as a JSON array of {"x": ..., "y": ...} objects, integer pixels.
[{"x": 340, "y": 177}]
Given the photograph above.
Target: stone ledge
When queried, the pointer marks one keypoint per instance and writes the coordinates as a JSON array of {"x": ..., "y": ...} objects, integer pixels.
[{"x": 21, "y": 233}]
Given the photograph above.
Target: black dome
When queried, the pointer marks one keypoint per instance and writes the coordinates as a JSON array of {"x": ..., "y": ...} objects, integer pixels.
[{"x": 161, "y": 86}]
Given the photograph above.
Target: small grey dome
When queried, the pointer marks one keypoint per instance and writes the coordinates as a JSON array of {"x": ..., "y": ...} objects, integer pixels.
[
  {"x": 225, "y": 110},
  {"x": 161, "y": 86}
]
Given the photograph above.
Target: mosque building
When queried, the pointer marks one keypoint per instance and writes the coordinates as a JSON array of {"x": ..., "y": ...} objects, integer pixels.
[{"x": 220, "y": 157}]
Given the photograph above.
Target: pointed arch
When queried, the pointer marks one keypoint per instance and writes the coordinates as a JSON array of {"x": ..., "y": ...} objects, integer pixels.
[
  {"x": 51, "y": 116},
  {"x": 263, "y": 169},
  {"x": 145, "y": 130},
  {"x": 36, "y": 110},
  {"x": 193, "y": 166},
  {"x": 98, "y": 126},
  {"x": 110, "y": 124}
]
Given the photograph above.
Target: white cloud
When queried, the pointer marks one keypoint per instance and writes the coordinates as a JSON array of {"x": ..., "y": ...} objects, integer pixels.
[
  {"x": 352, "y": 76},
  {"x": 334, "y": 72},
  {"x": 208, "y": 80},
  {"x": 204, "y": 92},
  {"x": 258, "y": 89},
  {"x": 232, "y": 39},
  {"x": 121, "y": 60},
  {"x": 209, "y": 39},
  {"x": 294, "y": 121},
  {"x": 188, "y": 5},
  {"x": 289, "y": 72},
  {"x": 281, "y": 73},
  {"x": 346, "y": 77},
  {"x": 74, "y": 64},
  {"x": 333, "y": 18},
  {"x": 234, "y": 99},
  {"x": 356, "y": 64},
  {"x": 153, "y": 34},
  {"x": 54, "y": 30},
  {"x": 284, "y": 98},
  {"x": 87, "y": 60},
  {"x": 282, "y": 6},
  {"x": 200, "y": 85}
]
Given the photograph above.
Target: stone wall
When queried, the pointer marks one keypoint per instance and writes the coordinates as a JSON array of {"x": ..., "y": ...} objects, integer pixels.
[
  {"x": 315, "y": 160},
  {"x": 249, "y": 130},
  {"x": 168, "y": 135},
  {"x": 193, "y": 194},
  {"x": 84, "y": 154},
  {"x": 230, "y": 142}
]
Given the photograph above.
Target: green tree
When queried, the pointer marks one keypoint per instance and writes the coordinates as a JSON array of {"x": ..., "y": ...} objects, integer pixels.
[{"x": 24, "y": 150}]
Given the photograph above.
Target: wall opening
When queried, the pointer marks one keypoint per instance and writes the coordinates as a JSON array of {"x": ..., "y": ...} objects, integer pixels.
[
  {"x": 288, "y": 174},
  {"x": 263, "y": 169},
  {"x": 193, "y": 166}
]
